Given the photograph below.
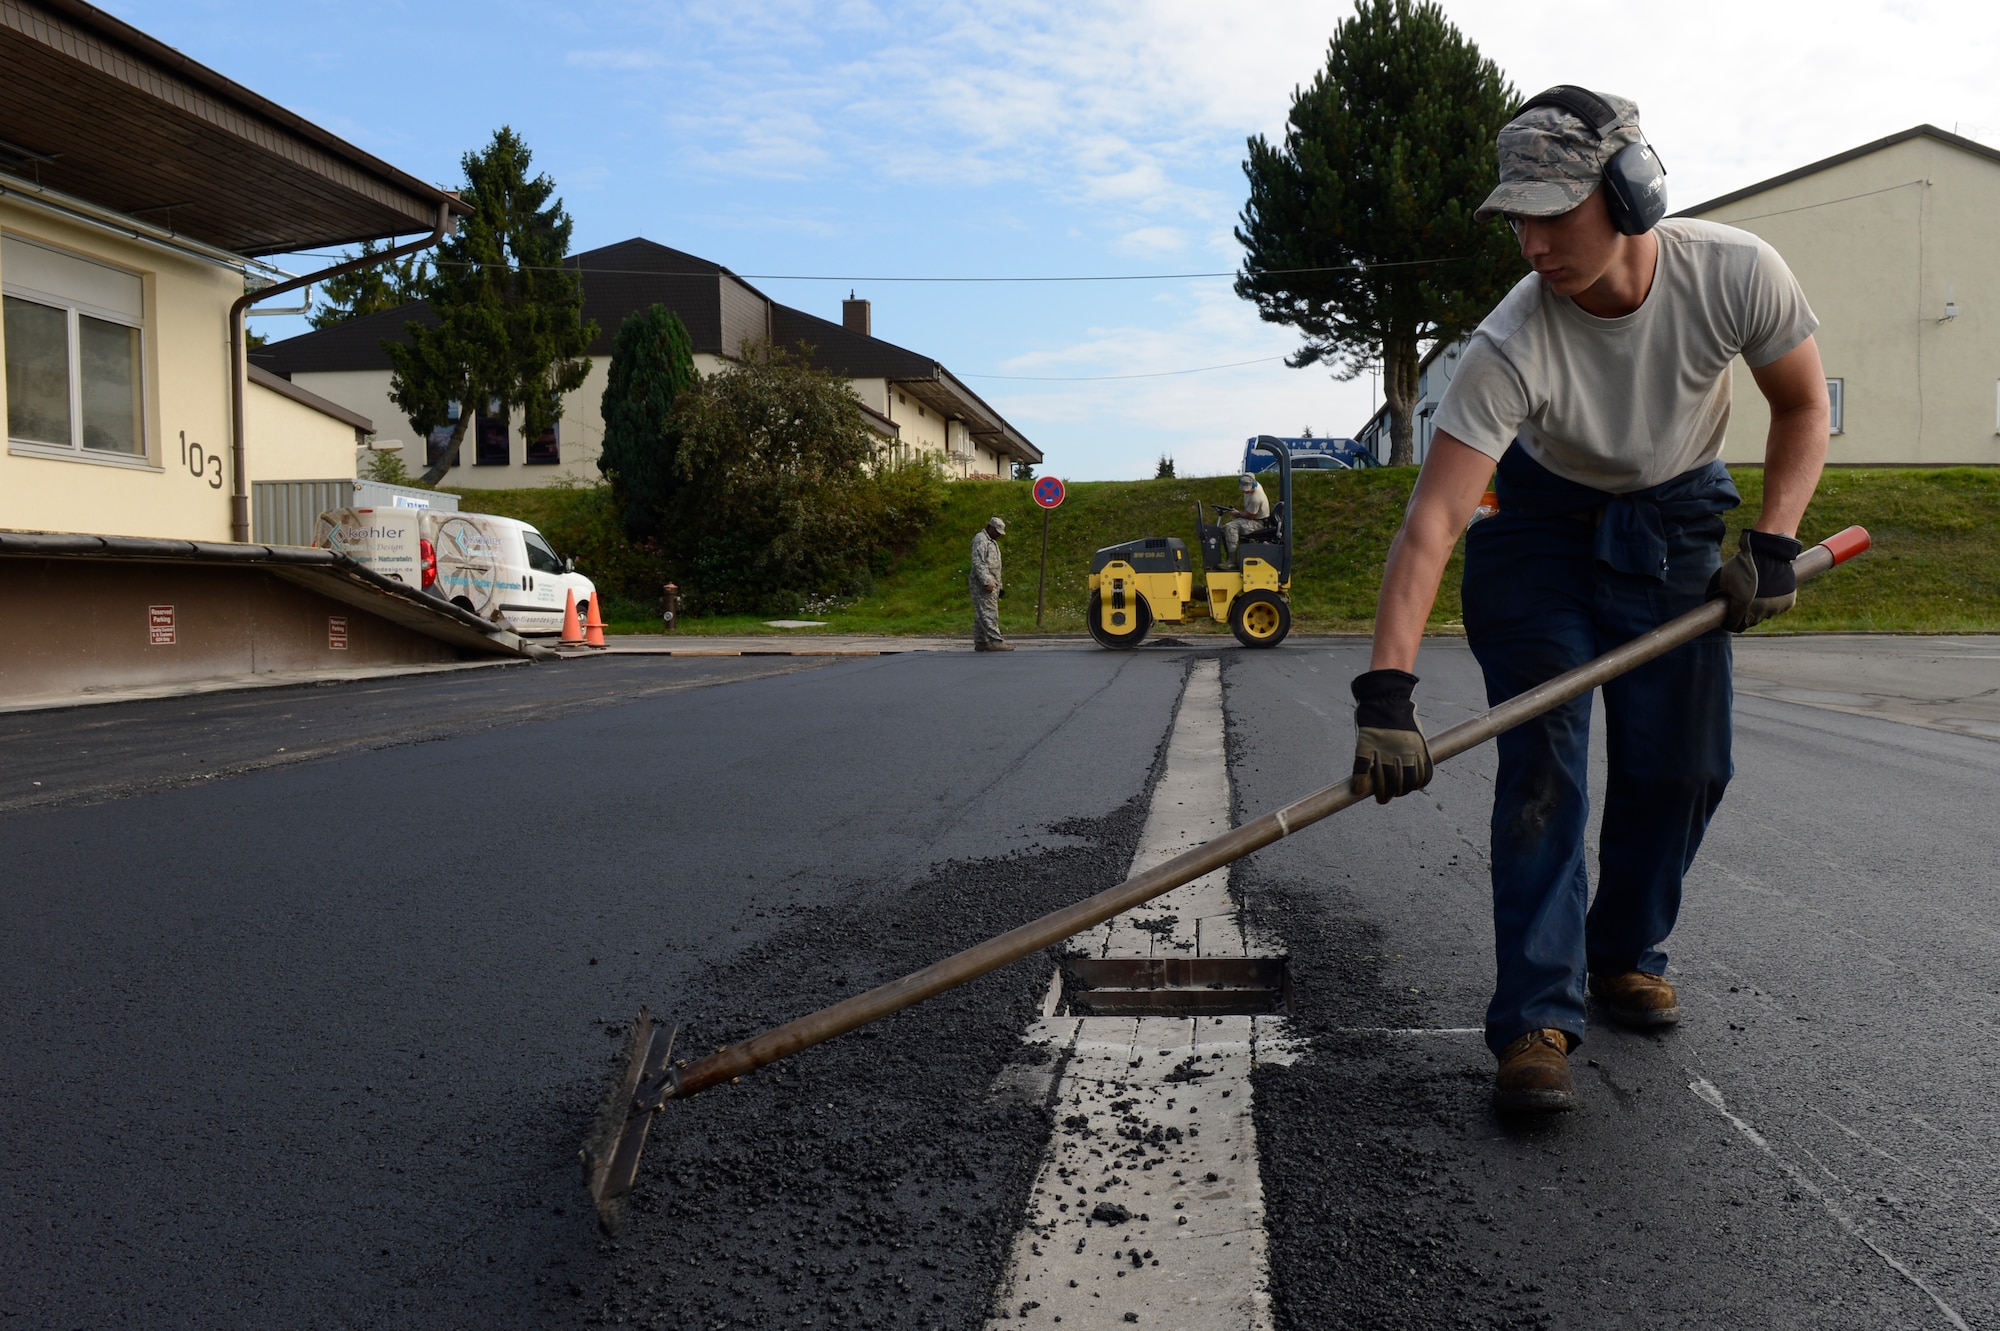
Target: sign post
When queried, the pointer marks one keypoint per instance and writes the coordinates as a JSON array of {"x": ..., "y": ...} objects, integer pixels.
[{"x": 1049, "y": 494}]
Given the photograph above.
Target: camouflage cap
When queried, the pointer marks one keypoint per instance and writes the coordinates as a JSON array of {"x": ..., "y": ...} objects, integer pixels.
[{"x": 1550, "y": 160}]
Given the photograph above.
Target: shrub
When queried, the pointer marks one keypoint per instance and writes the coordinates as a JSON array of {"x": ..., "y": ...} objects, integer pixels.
[
  {"x": 782, "y": 492},
  {"x": 652, "y": 364}
]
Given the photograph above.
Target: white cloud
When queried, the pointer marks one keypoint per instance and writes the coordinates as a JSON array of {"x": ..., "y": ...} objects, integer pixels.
[
  {"x": 1153, "y": 242},
  {"x": 620, "y": 59},
  {"x": 1119, "y": 427},
  {"x": 1146, "y": 103},
  {"x": 937, "y": 136}
]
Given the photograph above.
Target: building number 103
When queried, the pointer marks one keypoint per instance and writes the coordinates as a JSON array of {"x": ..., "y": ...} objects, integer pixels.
[{"x": 200, "y": 463}]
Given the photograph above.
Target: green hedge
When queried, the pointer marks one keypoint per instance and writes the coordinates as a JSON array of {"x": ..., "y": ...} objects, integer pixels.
[{"x": 1935, "y": 568}]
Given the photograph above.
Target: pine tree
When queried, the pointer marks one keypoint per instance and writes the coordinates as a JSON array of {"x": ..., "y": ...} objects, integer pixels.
[
  {"x": 373, "y": 289},
  {"x": 1385, "y": 157},
  {"x": 510, "y": 328},
  {"x": 1165, "y": 470},
  {"x": 652, "y": 362}
]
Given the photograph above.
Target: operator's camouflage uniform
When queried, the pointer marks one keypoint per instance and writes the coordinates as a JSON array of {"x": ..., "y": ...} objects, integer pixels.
[{"x": 985, "y": 604}]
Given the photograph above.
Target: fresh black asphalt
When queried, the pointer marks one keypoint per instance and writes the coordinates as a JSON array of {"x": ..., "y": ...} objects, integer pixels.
[
  {"x": 313, "y": 1042},
  {"x": 77, "y": 755},
  {"x": 1837, "y": 966}
]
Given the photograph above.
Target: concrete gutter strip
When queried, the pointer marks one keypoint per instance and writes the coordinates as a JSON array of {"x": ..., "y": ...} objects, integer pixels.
[{"x": 1148, "y": 1206}]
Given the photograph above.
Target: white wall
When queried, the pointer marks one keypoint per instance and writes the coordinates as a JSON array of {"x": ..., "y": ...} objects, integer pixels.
[{"x": 1878, "y": 243}]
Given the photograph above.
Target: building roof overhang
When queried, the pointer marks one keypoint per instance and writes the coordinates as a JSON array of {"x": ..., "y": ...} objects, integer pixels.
[
  {"x": 1812, "y": 168},
  {"x": 285, "y": 388},
  {"x": 97, "y": 109},
  {"x": 942, "y": 392}
]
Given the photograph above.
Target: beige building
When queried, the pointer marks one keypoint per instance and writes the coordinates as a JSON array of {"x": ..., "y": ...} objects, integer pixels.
[
  {"x": 139, "y": 194},
  {"x": 914, "y": 403},
  {"x": 138, "y": 191},
  {"x": 117, "y": 385},
  {"x": 1894, "y": 244}
]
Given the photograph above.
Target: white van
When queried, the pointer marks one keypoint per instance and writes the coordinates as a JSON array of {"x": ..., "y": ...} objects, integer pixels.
[{"x": 498, "y": 568}]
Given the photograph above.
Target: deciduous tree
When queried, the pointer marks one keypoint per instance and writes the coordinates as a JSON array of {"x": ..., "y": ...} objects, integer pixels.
[
  {"x": 784, "y": 493},
  {"x": 1358, "y": 231}
]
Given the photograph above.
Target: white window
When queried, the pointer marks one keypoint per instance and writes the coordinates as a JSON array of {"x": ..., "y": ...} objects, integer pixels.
[
  {"x": 1836, "y": 404},
  {"x": 73, "y": 333}
]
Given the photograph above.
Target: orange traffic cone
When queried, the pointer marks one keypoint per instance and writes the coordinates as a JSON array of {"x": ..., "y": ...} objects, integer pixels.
[
  {"x": 593, "y": 630},
  {"x": 572, "y": 634}
]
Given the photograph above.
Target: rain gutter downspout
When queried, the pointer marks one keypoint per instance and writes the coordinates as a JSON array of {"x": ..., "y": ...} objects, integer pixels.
[{"x": 239, "y": 490}]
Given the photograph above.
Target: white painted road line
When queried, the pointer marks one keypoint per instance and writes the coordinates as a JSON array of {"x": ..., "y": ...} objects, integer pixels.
[
  {"x": 1706, "y": 1091},
  {"x": 1148, "y": 1207}
]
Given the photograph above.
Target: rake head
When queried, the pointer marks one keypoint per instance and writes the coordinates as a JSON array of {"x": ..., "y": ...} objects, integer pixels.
[{"x": 643, "y": 1080}]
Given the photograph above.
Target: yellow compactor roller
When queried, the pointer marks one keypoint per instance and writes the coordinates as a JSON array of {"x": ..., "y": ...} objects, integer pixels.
[{"x": 1146, "y": 582}]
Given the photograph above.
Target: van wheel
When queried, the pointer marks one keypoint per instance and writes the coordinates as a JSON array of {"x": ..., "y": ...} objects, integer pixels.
[
  {"x": 1142, "y": 619},
  {"x": 1260, "y": 619}
]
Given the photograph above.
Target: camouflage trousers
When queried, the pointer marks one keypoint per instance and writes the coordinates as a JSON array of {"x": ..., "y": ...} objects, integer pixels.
[
  {"x": 1234, "y": 530},
  {"x": 985, "y": 615}
]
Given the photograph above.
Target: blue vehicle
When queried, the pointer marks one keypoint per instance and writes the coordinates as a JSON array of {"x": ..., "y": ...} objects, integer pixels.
[{"x": 1312, "y": 455}]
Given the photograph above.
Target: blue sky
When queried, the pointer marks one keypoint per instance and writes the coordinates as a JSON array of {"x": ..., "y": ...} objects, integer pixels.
[{"x": 861, "y": 140}]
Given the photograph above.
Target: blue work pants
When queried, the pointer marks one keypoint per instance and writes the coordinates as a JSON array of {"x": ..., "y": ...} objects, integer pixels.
[{"x": 1537, "y": 603}]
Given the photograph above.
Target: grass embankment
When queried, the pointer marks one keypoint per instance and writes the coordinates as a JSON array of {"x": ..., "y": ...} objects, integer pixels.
[{"x": 1935, "y": 568}]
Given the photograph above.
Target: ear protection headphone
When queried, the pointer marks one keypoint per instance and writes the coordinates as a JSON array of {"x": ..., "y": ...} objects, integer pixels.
[{"x": 1635, "y": 180}]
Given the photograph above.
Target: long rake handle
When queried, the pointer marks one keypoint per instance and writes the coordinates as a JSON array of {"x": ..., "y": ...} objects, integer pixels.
[{"x": 809, "y": 1030}]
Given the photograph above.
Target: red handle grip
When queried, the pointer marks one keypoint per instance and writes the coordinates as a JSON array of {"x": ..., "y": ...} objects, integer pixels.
[{"x": 1844, "y": 545}]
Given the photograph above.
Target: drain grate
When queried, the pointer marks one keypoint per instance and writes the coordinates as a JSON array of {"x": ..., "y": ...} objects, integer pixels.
[{"x": 1176, "y": 986}]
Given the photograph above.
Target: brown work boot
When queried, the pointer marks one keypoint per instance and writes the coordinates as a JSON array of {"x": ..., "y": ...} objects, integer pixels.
[
  {"x": 1534, "y": 1074},
  {"x": 999, "y": 646},
  {"x": 1636, "y": 999}
]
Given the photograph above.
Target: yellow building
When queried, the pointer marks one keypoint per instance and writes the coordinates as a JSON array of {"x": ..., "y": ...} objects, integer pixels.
[
  {"x": 138, "y": 191},
  {"x": 1894, "y": 244},
  {"x": 914, "y": 402}
]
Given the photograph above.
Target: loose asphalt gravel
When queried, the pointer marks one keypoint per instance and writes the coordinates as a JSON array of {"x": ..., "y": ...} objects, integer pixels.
[{"x": 313, "y": 1042}]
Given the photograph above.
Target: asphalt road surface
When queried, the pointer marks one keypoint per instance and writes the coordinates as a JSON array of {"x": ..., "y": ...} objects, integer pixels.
[{"x": 310, "y": 1039}]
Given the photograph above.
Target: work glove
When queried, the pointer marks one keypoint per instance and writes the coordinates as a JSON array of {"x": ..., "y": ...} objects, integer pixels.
[
  {"x": 1391, "y": 757},
  {"x": 1759, "y": 582}
]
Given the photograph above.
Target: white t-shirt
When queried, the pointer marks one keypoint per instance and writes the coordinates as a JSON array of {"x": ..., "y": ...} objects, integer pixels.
[
  {"x": 1256, "y": 504},
  {"x": 1626, "y": 403}
]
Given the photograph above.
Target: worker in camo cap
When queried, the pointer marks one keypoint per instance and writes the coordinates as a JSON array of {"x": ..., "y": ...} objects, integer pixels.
[
  {"x": 984, "y": 583},
  {"x": 1600, "y": 386}
]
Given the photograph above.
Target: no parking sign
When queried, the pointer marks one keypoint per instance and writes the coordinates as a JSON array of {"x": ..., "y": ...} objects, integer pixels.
[{"x": 1049, "y": 494}]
